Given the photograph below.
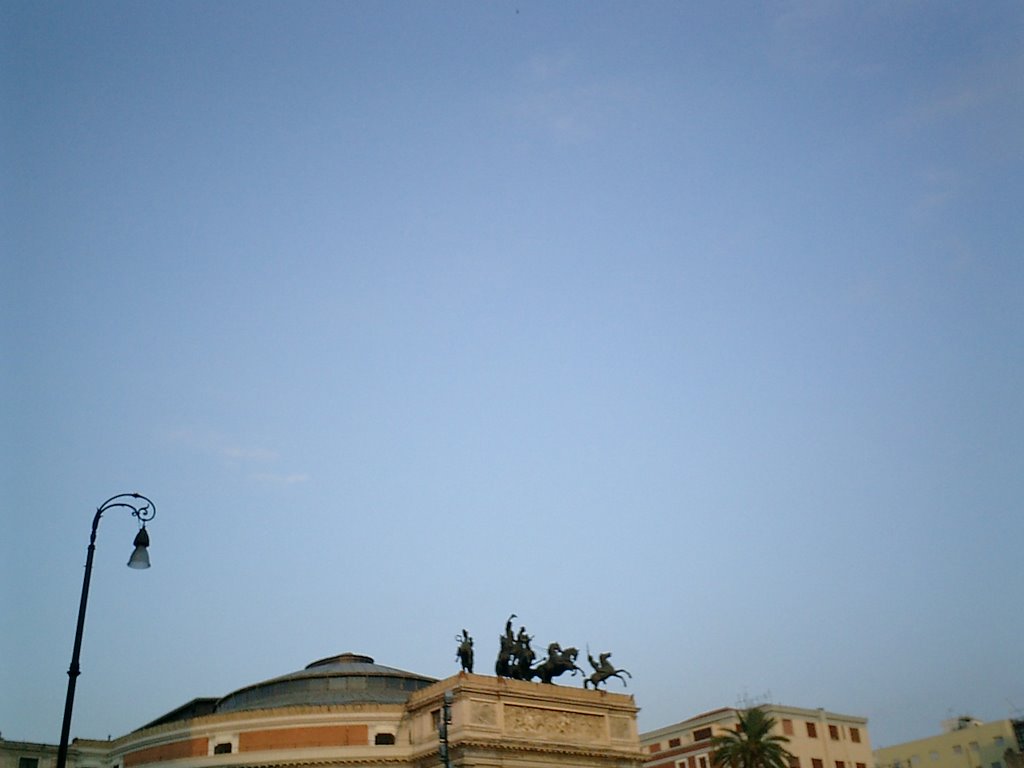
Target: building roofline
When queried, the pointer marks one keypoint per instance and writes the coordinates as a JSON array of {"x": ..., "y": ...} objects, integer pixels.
[{"x": 714, "y": 715}]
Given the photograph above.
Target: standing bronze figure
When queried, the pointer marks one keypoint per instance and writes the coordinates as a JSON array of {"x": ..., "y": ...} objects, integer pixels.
[
  {"x": 464, "y": 654},
  {"x": 506, "y": 647}
]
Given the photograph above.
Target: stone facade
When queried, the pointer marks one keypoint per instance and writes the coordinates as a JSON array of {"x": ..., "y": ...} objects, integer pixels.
[
  {"x": 501, "y": 722},
  {"x": 964, "y": 743},
  {"x": 495, "y": 723},
  {"x": 816, "y": 738}
]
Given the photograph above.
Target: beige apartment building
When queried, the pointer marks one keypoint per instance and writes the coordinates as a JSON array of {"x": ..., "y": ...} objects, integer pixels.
[
  {"x": 965, "y": 742},
  {"x": 817, "y": 739}
]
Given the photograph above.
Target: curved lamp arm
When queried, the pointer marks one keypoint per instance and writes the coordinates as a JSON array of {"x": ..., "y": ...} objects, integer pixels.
[{"x": 144, "y": 510}]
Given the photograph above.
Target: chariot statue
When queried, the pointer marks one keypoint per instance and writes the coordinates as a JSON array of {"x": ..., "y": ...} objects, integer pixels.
[{"x": 506, "y": 649}]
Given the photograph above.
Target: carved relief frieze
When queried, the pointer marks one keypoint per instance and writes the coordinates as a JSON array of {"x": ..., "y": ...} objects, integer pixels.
[{"x": 554, "y": 724}]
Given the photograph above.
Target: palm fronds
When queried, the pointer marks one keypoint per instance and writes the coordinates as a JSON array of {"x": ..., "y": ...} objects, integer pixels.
[{"x": 752, "y": 744}]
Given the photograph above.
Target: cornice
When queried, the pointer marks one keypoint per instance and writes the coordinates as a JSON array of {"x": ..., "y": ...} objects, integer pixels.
[
  {"x": 277, "y": 717},
  {"x": 516, "y": 746}
]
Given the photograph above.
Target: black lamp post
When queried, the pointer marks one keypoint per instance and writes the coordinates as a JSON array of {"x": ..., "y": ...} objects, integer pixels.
[
  {"x": 443, "y": 721},
  {"x": 145, "y": 510}
]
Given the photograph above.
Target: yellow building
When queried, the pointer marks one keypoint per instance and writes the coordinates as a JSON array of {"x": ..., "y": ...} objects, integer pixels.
[
  {"x": 817, "y": 739},
  {"x": 964, "y": 743}
]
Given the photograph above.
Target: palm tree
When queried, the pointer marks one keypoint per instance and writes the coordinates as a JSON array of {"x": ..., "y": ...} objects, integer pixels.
[{"x": 752, "y": 744}]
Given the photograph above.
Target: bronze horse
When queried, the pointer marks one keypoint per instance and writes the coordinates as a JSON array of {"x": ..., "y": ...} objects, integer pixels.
[
  {"x": 603, "y": 669},
  {"x": 557, "y": 663}
]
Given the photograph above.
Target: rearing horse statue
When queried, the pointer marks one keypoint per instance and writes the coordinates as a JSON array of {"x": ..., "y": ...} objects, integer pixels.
[
  {"x": 557, "y": 663},
  {"x": 603, "y": 669}
]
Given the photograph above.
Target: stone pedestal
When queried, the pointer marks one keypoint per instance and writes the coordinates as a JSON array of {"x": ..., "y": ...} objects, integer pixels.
[{"x": 502, "y": 723}]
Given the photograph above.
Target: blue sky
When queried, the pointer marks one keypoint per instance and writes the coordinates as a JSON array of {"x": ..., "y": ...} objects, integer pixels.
[{"x": 688, "y": 331}]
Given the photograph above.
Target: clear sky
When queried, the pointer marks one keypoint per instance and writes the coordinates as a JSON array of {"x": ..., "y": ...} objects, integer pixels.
[{"x": 689, "y": 331}]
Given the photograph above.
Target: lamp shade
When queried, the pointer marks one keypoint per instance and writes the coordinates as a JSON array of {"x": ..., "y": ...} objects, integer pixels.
[{"x": 140, "y": 557}]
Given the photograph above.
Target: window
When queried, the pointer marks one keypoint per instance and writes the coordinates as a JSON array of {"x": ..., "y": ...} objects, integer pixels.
[
  {"x": 673, "y": 743},
  {"x": 816, "y": 763},
  {"x": 861, "y": 765},
  {"x": 28, "y": 762},
  {"x": 997, "y": 764},
  {"x": 833, "y": 732},
  {"x": 223, "y": 748},
  {"x": 855, "y": 735},
  {"x": 703, "y": 760},
  {"x": 384, "y": 738},
  {"x": 702, "y": 733},
  {"x": 1000, "y": 741},
  {"x": 840, "y": 764},
  {"x": 655, "y": 747},
  {"x": 787, "y": 727},
  {"x": 933, "y": 756},
  {"x": 812, "y": 731},
  {"x": 794, "y": 761},
  {"x": 958, "y": 749},
  {"x": 974, "y": 746}
]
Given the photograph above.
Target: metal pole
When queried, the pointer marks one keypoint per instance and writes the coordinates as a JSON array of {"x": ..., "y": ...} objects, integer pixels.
[
  {"x": 74, "y": 671},
  {"x": 443, "y": 722},
  {"x": 144, "y": 511}
]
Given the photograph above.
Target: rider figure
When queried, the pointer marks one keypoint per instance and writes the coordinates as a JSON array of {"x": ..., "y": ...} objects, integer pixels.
[
  {"x": 555, "y": 652},
  {"x": 524, "y": 655}
]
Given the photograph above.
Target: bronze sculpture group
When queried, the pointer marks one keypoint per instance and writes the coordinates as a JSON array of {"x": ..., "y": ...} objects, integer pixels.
[{"x": 516, "y": 659}]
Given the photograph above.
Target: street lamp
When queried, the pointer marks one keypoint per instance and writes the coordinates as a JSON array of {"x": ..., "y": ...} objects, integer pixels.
[
  {"x": 144, "y": 510},
  {"x": 443, "y": 721}
]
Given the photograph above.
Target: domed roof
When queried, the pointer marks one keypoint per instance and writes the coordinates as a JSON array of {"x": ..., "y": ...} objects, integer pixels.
[{"x": 345, "y": 679}]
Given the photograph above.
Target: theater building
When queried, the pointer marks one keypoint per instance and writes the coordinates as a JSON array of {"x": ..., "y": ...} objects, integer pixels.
[{"x": 347, "y": 710}]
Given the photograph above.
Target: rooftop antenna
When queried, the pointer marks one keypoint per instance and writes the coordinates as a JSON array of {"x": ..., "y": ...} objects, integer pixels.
[{"x": 746, "y": 701}]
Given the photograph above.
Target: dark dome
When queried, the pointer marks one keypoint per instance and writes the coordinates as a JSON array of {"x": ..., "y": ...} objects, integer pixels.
[{"x": 345, "y": 679}]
